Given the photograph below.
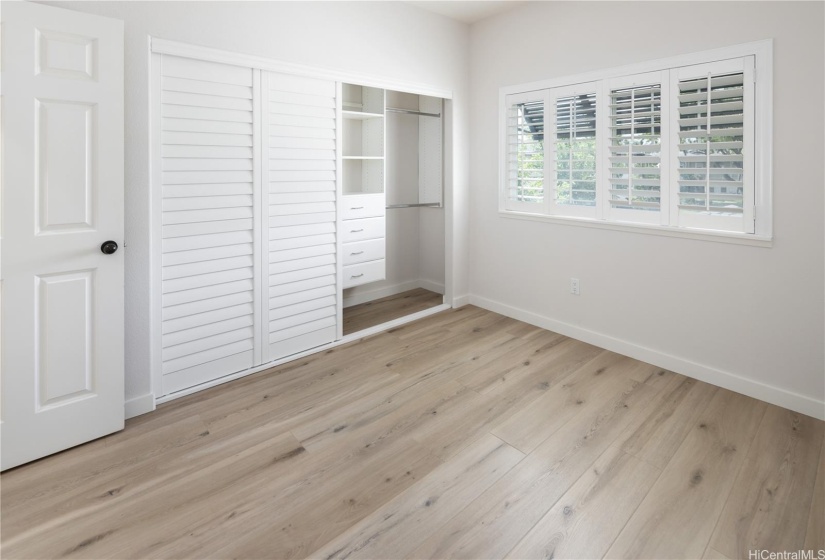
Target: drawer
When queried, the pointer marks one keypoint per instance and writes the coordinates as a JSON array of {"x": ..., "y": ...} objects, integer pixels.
[
  {"x": 359, "y": 230},
  {"x": 358, "y": 206},
  {"x": 364, "y": 273},
  {"x": 363, "y": 251}
]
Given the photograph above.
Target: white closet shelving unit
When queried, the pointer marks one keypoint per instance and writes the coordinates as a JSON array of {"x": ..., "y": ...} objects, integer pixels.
[{"x": 363, "y": 204}]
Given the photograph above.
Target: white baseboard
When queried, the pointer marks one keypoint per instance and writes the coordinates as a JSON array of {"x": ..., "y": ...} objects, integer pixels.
[
  {"x": 461, "y": 301},
  {"x": 431, "y": 286},
  {"x": 768, "y": 393},
  {"x": 140, "y": 405},
  {"x": 387, "y": 291},
  {"x": 378, "y": 293}
]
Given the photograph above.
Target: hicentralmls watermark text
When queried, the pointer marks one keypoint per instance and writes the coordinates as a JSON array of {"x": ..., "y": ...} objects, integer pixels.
[{"x": 786, "y": 555}]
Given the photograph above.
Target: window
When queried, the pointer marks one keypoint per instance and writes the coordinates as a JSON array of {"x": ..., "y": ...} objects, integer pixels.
[{"x": 682, "y": 147}]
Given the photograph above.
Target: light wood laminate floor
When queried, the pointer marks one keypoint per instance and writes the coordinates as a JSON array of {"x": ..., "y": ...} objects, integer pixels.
[
  {"x": 463, "y": 435},
  {"x": 380, "y": 311}
]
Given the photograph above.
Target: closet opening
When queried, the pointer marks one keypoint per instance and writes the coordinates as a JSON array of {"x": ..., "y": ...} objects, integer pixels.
[{"x": 393, "y": 146}]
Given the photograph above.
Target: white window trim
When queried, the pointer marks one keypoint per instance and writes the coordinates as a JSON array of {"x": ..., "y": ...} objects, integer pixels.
[{"x": 763, "y": 125}]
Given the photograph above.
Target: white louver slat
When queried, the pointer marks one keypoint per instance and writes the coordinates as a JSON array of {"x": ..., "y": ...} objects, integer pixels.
[
  {"x": 299, "y": 180},
  {"x": 635, "y": 149},
  {"x": 526, "y": 168},
  {"x": 715, "y": 147},
  {"x": 208, "y": 171}
]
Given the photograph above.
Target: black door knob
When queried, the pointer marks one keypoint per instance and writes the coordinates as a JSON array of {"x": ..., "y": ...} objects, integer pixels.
[{"x": 108, "y": 247}]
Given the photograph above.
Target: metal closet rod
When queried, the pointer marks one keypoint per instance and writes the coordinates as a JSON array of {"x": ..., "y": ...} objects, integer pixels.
[
  {"x": 411, "y": 112},
  {"x": 418, "y": 205}
]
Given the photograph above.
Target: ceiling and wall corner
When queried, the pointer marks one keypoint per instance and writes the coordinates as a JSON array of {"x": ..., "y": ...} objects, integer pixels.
[
  {"x": 468, "y": 11},
  {"x": 749, "y": 318}
]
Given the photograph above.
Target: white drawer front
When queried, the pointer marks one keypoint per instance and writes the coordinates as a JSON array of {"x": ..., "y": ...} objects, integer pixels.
[
  {"x": 354, "y": 207},
  {"x": 363, "y": 251},
  {"x": 359, "y": 230},
  {"x": 364, "y": 273}
]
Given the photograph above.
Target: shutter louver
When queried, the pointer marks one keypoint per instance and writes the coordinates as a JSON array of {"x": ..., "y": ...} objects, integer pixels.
[
  {"x": 299, "y": 137},
  {"x": 208, "y": 275},
  {"x": 574, "y": 148},
  {"x": 711, "y": 120},
  {"x": 635, "y": 155},
  {"x": 525, "y": 152}
]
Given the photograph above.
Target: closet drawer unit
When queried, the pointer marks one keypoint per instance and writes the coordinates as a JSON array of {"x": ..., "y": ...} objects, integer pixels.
[
  {"x": 364, "y": 273},
  {"x": 360, "y": 230},
  {"x": 363, "y": 251},
  {"x": 354, "y": 207}
]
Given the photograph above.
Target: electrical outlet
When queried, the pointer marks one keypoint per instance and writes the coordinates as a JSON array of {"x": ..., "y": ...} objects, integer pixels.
[{"x": 574, "y": 286}]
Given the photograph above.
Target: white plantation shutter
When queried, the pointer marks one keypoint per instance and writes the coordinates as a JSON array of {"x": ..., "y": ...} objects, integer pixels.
[
  {"x": 525, "y": 167},
  {"x": 675, "y": 147},
  {"x": 574, "y": 150},
  {"x": 636, "y": 153},
  {"x": 299, "y": 178},
  {"x": 208, "y": 172},
  {"x": 715, "y": 144}
]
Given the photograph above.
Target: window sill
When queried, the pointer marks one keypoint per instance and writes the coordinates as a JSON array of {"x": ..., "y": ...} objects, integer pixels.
[{"x": 666, "y": 231}]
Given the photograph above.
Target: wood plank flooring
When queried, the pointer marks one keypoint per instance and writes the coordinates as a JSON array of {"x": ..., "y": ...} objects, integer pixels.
[
  {"x": 462, "y": 435},
  {"x": 379, "y": 311}
]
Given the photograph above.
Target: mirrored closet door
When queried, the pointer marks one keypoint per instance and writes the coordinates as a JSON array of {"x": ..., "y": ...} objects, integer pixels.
[{"x": 392, "y": 206}]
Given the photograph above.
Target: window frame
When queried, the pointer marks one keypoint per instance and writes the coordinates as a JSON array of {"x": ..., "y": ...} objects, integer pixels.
[{"x": 759, "y": 212}]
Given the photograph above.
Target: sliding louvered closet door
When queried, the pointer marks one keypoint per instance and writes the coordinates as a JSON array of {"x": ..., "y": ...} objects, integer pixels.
[
  {"x": 246, "y": 174},
  {"x": 210, "y": 266},
  {"x": 299, "y": 193}
]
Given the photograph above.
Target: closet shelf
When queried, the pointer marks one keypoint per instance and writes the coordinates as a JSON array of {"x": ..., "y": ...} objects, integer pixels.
[
  {"x": 360, "y": 115},
  {"x": 412, "y": 112},
  {"x": 416, "y": 205}
]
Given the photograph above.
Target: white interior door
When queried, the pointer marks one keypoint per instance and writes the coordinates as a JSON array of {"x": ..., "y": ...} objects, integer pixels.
[{"x": 62, "y": 195}]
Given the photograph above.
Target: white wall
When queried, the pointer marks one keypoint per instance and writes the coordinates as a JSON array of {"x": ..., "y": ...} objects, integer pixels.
[
  {"x": 380, "y": 39},
  {"x": 747, "y": 318}
]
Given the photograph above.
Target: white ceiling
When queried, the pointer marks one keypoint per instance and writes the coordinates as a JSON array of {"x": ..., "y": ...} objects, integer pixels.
[{"x": 468, "y": 11}]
